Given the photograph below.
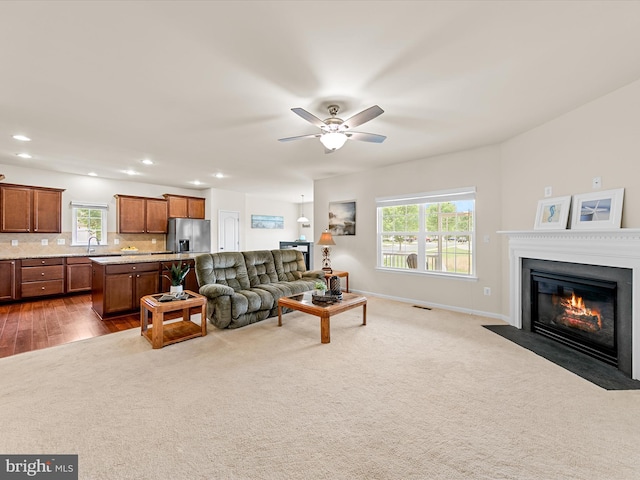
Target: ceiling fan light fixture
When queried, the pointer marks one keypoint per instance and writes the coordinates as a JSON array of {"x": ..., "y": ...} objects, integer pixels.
[{"x": 333, "y": 140}]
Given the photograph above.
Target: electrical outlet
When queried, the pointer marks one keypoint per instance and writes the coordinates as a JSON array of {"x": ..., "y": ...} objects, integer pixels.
[
  {"x": 486, "y": 238},
  {"x": 153, "y": 241},
  {"x": 548, "y": 191},
  {"x": 116, "y": 241},
  {"x": 14, "y": 243},
  {"x": 61, "y": 241},
  {"x": 596, "y": 182},
  {"x": 487, "y": 291},
  {"x": 44, "y": 242}
]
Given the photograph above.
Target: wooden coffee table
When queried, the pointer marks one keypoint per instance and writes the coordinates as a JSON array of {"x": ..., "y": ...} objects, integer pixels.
[{"x": 303, "y": 303}]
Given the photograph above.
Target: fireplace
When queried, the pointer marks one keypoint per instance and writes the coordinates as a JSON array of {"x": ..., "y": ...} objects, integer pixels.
[{"x": 584, "y": 307}]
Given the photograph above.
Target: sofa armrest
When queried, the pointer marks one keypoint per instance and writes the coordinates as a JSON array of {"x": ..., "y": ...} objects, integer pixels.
[
  {"x": 214, "y": 290},
  {"x": 313, "y": 275}
]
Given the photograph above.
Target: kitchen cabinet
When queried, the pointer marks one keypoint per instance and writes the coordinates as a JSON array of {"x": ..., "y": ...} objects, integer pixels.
[
  {"x": 117, "y": 289},
  {"x": 190, "y": 281},
  {"x": 181, "y": 206},
  {"x": 7, "y": 280},
  {"x": 41, "y": 277},
  {"x": 26, "y": 209},
  {"x": 141, "y": 214},
  {"x": 78, "y": 274}
]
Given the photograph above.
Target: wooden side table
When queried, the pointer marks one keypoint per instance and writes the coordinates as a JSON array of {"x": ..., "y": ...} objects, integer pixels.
[
  {"x": 338, "y": 273},
  {"x": 162, "y": 333}
]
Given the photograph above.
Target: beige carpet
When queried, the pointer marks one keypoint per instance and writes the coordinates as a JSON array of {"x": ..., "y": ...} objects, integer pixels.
[{"x": 415, "y": 394}]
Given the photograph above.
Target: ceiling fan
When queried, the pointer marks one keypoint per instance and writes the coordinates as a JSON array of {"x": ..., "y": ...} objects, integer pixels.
[{"x": 335, "y": 131}]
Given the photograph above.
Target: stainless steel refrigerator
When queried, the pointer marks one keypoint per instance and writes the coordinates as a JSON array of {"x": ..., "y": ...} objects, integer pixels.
[{"x": 189, "y": 235}]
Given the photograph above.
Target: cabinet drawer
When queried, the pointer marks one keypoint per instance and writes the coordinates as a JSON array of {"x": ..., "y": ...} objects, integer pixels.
[
  {"x": 76, "y": 260},
  {"x": 36, "y": 274},
  {"x": 35, "y": 289},
  {"x": 132, "y": 267},
  {"x": 37, "y": 262}
]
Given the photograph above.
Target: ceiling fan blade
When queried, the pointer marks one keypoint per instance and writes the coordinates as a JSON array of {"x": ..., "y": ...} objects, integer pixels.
[
  {"x": 365, "y": 137},
  {"x": 362, "y": 117},
  {"x": 309, "y": 117},
  {"x": 328, "y": 150},
  {"x": 288, "y": 139}
]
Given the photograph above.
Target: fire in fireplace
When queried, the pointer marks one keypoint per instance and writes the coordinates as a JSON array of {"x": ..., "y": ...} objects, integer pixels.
[
  {"x": 585, "y": 307},
  {"x": 578, "y": 312}
]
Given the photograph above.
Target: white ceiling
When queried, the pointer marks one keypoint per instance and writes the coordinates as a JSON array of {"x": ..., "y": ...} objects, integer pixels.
[{"x": 207, "y": 87}]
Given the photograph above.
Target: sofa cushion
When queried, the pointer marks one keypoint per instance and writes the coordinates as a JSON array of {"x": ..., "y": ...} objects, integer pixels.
[
  {"x": 260, "y": 267},
  {"x": 226, "y": 268},
  {"x": 289, "y": 264}
]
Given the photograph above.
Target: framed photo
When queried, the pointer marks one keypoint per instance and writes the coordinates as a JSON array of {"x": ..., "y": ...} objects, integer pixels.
[
  {"x": 267, "y": 221},
  {"x": 597, "y": 210},
  {"x": 342, "y": 218},
  {"x": 553, "y": 213}
]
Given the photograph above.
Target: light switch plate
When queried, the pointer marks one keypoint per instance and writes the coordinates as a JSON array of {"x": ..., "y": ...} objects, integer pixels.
[
  {"x": 61, "y": 241},
  {"x": 548, "y": 191},
  {"x": 44, "y": 242},
  {"x": 14, "y": 243}
]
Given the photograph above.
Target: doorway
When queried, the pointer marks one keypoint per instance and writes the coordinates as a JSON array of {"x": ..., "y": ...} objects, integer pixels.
[{"x": 228, "y": 231}]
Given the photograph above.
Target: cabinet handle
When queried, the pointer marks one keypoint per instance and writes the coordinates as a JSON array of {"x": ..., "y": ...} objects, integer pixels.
[
  {"x": 133, "y": 268},
  {"x": 42, "y": 274},
  {"x": 42, "y": 288},
  {"x": 44, "y": 261}
]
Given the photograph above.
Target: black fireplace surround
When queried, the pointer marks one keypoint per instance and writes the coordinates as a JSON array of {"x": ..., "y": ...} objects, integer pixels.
[{"x": 584, "y": 307}]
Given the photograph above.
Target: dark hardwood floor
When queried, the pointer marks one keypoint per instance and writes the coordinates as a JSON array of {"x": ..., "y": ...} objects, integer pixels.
[{"x": 32, "y": 325}]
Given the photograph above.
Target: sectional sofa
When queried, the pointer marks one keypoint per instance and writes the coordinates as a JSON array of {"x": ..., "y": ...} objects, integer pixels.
[{"x": 244, "y": 287}]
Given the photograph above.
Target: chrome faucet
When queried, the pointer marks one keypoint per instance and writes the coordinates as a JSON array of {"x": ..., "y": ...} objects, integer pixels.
[{"x": 89, "y": 249}]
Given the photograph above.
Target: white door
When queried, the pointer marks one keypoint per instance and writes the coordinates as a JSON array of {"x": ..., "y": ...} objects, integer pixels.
[{"x": 228, "y": 231}]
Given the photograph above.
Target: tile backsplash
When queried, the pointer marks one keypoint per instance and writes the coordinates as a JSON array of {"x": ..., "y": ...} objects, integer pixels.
[{"x": 19, "y": 245}]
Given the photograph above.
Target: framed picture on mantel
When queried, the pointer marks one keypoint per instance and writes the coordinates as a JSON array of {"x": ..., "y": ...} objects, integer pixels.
[
  {"x": 553, "y": 213},
  {"x": 597, "y": 210}
]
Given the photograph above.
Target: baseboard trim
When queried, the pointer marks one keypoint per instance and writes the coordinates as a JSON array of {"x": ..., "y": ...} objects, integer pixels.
[{"x": 420, "y": 303}]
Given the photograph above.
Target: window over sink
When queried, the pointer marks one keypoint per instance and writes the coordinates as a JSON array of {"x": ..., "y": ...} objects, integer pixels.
[{"x": 89, "y": 220}]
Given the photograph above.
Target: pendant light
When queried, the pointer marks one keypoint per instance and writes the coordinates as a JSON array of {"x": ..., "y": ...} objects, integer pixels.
[{"x": 302, "y": 218}]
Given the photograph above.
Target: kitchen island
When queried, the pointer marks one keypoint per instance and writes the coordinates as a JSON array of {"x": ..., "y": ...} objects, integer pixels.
[{"x": 119, "y": 282}]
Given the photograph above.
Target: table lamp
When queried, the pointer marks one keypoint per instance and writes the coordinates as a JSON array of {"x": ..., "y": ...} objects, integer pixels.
[{"x": 325, "y": 240}]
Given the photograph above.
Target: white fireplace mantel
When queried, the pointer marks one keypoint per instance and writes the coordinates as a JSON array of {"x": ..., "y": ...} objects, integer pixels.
[{"x": 613, "y": 248}]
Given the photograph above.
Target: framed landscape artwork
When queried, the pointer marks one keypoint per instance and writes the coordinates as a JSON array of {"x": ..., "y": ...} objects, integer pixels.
[
  {"x": 267, "y": 221},
  {"x": 342, "y": 218},
  {"x": 553, "y": 213},
  {"x": 597, "y": 210}
]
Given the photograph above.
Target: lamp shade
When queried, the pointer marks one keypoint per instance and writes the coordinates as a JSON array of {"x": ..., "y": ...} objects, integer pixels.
[
  {"x": 333, "y": 140},
  {"x": 326, "y": 238}
]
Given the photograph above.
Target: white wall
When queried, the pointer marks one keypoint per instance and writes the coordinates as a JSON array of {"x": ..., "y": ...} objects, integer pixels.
[
  {"x": 357, "y": 254},
  {"x": 598, "y": 139}
]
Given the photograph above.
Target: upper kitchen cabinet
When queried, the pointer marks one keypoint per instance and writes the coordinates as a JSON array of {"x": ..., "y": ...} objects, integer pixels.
[
  {"x": 27, "y": 209},
  {"x": 141, "y": 214},
  {"x": 181, "y": 206}
]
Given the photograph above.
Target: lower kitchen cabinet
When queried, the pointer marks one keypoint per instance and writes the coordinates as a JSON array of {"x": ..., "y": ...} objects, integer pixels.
[
  {"x": 42, "y": 277},
  {"x": 8, "y": 280},
  {"x": 78, "y": 274},
  {"x": 117, "y": 289}
]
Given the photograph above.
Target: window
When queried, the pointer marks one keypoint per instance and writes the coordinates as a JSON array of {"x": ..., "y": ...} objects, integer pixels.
[
  {"x": 89, "y": 220},
  {"x": 428, "y": 233}
]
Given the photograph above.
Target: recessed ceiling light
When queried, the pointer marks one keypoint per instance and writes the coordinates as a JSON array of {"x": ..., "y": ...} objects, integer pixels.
[
  {"x": 219, "y": 175},
  {"x": 196, "y": 182},
  {"x": 24, "y": 155},
  {"x": 130, "y": 172},
  {"x": 92, "y": 174},
  {"x": 22, "y": 138},
  {"x": 146, "y": 161}
]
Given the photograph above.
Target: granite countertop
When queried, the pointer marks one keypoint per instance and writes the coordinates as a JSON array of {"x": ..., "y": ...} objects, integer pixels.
[
  {"x": 129, "y": 254},
  {"x": 142, "y": 258}
]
